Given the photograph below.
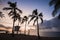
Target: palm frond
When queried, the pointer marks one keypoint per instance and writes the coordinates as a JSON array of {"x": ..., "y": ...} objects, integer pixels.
[
  {"x": 59, "y": 16},
  {"x": 19, "y": 18},
  {"x": 31, "y": 19},
  {"x": 1, "y": 15},
  {"x": 19, "y": 10},
  {"x": 25, "y": 18},
  {"x": 22, "y": 21},
  {"x": 13, "y": 5},
  {"x": 52, "y": 2},
  {"x": 34, "y": 12},
  {"x": 41, "y": 20},
  {"x": 10, "y": 13},
  {"x": 41, "y": 14},
  {"x": 14, "y": 17},
  {"x": 54, "y": 13},
  {"x": 6, "y": 8},
  {"x": 9, "y": 2},
  {"x": 30, "y": 16},
  {"x": 35, "y": 21},
  {"x": 57, "y": 5}
]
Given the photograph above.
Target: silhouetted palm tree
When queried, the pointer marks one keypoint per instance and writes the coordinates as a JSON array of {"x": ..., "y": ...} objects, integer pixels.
[
  {"x": 56, "y": 4},
  {"x": 13, "y": 12},
  {"x": 36, "y": 16},
  {"x": 25, "y": 19},
  {"x": 1, "y": 15}
]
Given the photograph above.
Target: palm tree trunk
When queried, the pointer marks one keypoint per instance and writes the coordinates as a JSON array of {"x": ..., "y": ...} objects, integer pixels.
[
  {"x": 29, "y": 32},
  {"x": 13, "y": 27},
  {"x": 18, "y": 25},
  {"x": 38, "y": 30},
  {"x": 25, "y": 28}
]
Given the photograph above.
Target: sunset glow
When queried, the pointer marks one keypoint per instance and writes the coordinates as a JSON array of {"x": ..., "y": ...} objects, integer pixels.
[
  {"x": 27, "y": 6},
  {"x": 17, "y": 17}
]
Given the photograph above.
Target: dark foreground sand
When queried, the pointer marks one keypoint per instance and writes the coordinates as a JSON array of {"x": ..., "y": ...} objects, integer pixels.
[{"x": 25, "y": 37}]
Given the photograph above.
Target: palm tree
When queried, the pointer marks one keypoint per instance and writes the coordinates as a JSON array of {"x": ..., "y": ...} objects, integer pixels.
[
  {"x": 36, "y": 16},
  {"x": 13, "y": 12},
  {"x": 56, "y": 4},
  {"x": 25, "y": 19}
]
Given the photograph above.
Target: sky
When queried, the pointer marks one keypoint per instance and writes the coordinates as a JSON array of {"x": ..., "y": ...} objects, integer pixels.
[{"x": 27, "y": 6}]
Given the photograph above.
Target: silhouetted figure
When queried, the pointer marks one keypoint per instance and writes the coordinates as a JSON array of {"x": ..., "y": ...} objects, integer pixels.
[
  {"x": 17, "y": 28},
  {"x": 13, "y": 12},
  {"x": 56, "y": 4},
  {"x": 25, "y": 19},
  {"x": 36, "y": 16}
]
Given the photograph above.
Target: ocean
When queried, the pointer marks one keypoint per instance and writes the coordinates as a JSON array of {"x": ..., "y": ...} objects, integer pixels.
[
  {"x": 46, "y": 33},
  {"x": 50, "y": 34}
]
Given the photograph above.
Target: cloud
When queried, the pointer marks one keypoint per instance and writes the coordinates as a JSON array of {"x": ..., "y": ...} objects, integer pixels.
[
  {"x": 3, "y": 26},
  {"x": 53, "y": 24}
]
